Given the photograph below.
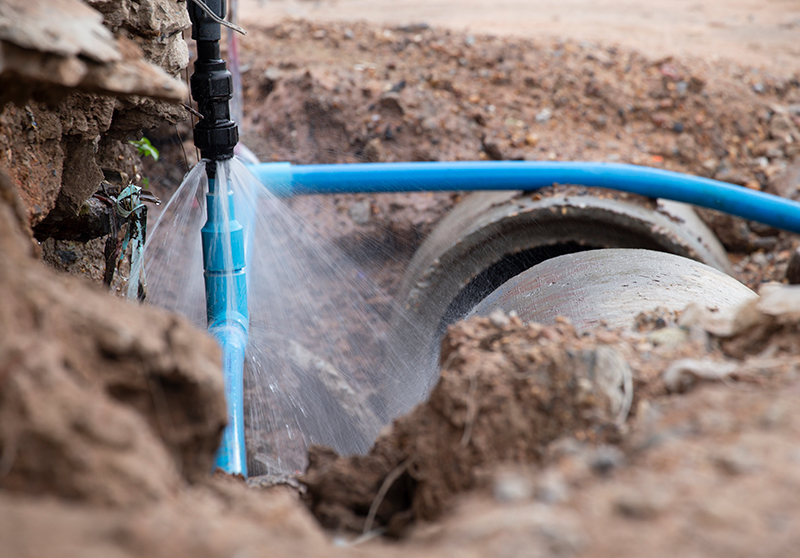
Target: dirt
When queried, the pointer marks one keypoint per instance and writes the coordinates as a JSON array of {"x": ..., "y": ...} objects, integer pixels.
[
  {"x": 749, "y": 32},
  {"x": 504, "y": 394},
  {"x": 530, "y": 443},
  {"x": 79, "y": 99},
  {"x": 351, "y": 92},
  {"x": 532, "y": 413}
]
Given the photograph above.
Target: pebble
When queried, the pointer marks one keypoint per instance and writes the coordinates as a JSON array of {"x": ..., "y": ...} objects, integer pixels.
[
  {"x": 641, "y": 504},
  {"x": 361, "y": 212},
  {"x": 605, "y": 459},
  {"x": 499, "y": 319},
  {"x": 544, "y": 115},
  {"x": 793, "y": 269},
  {"x": 736, "y": 461},
  {"x": 551, "y": 488},
  {"x": 668, "y": 337},
  {"x": 512, "y": 487},
  {"x": 759, "y": 259}
]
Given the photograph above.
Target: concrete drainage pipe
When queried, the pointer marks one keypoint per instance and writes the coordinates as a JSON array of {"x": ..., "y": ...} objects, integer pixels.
[
  {"x": 612, "y": 286},
  {"x": 491, "y": 237}
]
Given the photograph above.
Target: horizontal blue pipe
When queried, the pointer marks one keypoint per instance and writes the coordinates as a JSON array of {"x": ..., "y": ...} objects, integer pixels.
[{"x": 284, "y": 179}]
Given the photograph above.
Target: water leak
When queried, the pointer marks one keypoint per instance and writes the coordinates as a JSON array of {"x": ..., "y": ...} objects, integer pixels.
[{"x": 322, "y": 366}]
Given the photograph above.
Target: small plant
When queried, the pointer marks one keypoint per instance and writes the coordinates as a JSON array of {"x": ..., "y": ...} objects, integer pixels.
[{"x": 145, "y": 148}]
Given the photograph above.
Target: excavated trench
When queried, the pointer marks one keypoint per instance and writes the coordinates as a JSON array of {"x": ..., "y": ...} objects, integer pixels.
[{"x": 86, "y": 381}]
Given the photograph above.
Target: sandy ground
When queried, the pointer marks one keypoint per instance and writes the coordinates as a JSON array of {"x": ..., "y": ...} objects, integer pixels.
[{"x": 760, "y": 33}]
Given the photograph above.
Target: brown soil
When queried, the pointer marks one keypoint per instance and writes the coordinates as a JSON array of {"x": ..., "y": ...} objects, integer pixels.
[
  {"x": 527, "y": 421},
  {"x": 528, "y": 445},
  {"x": 350, "y": 92},
  {"x": 759, "y": 33}
]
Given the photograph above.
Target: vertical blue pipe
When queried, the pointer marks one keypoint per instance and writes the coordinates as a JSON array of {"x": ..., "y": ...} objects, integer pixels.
[{"x": 226, "y": 310}]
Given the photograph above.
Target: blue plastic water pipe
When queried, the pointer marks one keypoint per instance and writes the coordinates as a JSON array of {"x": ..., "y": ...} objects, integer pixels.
[
  {"x": 216, "y": 135},
  {"x": 284, "y": 179},
  {"x": 226, "y": 312}
]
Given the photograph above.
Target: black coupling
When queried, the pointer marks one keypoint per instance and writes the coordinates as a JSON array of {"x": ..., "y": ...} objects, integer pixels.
[{"x": 215, "y": 135}]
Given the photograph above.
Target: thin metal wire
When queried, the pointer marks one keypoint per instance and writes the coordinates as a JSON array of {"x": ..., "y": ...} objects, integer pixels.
[{"x": 202, "y": 5}]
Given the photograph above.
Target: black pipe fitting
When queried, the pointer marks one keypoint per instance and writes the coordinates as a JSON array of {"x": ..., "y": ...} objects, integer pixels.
[{"x": 212, "y": 86}]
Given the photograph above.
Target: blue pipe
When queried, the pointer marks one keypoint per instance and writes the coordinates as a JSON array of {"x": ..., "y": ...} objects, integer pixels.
[
  {"x": 227, "y": 314},
  {"x": 284, "y": 179}
]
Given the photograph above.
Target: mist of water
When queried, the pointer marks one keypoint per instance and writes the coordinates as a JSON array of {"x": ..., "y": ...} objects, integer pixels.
[{"x": 322, "y": 365}]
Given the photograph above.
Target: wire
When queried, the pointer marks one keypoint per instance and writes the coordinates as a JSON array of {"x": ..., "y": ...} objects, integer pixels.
[{"x": 202, "y": 5}]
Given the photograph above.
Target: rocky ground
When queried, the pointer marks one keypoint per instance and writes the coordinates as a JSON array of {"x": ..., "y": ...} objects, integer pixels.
[{"x": 678, "y": 437}]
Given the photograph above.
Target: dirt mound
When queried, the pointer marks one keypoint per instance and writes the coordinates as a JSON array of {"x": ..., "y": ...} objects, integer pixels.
[
  {"x": 512, "y": 395},
  {"x": 709, "y": 473},
  {"x": 387, "y": 94},
  {"x": 506, "y": 391},
  {"x": 219, "y": 518},
  {"x": 101, "y": 400}
]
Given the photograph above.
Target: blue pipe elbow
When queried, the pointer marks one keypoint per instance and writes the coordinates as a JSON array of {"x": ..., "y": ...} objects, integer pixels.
[{"x": 285, "y": 180}]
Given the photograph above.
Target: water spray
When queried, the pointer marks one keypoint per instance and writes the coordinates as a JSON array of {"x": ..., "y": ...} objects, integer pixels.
[
  {"x": 216, "y": 135},
  {"x": 226, "y": 233}
]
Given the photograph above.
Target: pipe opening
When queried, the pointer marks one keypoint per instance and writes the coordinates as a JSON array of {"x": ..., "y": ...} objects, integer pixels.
[{"x": 495, "y": 275}]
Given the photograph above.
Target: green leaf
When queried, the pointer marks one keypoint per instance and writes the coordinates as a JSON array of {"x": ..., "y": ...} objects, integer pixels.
[{"x": 145, "y": 148}]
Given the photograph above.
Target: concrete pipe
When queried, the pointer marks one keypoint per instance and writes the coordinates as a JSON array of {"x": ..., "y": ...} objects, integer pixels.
[
  {"x": 612, "y": 286},
  {"x": 491, "y": 237}
]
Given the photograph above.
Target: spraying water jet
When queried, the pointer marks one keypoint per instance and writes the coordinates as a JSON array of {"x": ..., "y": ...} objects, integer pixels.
[{"x": 227, "y": 235}]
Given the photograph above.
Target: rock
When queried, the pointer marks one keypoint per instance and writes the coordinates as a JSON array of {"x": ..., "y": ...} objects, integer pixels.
[
  {"x": 687, "y": 146},
  {"x": 605, "y": 459},
  {"x": 787, "y": 182},
  {"x": 64, "y": 44},
  {"x": 793, "y": 269},
  {"x": 59, "y": 150},
  {"x": 373, "y": 151},
  {"x": 737, "y": 460},
  {"x": 684, "y": 373},
  {"x": 512, "y": 487},
  {"x": 668, "y": 336},
  {"x": 361, "y": 212},
  {"x": 551, "y": 487},
  {"x": 781, "y": 125},
  {"x": 543, "y": 116},
  {"x": 492, "y": 149},
  {"x": 644, "y": 504}
]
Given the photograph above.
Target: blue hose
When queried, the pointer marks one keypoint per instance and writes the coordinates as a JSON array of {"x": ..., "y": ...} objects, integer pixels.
[{"x": 284, "y": 179}]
